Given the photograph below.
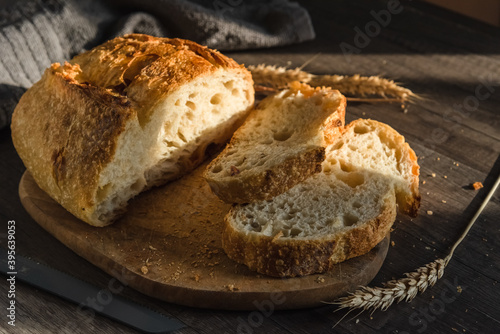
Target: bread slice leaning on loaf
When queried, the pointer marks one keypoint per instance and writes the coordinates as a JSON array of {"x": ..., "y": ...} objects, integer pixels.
[
  {"x": 281, "y": 143},
  {"x": 340, "y": 213},
  {"x": 134, "y": 112}
]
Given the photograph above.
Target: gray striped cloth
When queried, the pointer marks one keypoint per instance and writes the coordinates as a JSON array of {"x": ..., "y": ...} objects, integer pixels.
[{"x": 36, "y": 33}]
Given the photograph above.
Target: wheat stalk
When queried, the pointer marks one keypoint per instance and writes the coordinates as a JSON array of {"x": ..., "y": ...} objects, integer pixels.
[
  {"x": 356, "y": 85},
  {"x": 366, "y": 298}
]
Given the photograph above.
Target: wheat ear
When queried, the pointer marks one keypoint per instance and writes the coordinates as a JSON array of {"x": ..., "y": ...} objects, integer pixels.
[
  {"x": 355, "y": 85},
  {"x": 367, "y": 298}
]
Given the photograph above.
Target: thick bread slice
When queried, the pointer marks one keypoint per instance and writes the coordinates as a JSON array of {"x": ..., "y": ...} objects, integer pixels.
[
  {"x": 134, "y": 112},
  {"x": 281, "y": 143},
  {"x": 340, "y": 213}
]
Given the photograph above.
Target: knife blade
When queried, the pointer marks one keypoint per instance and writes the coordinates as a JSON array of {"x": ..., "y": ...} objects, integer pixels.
[{"x": 78, "y": 291}]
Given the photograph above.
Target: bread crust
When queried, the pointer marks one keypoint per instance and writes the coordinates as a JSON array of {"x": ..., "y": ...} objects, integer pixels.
[
  {"x": 66, "y": 127},
  {"x": 291, "y": 257},
  {"x": 65, "y": 132}
]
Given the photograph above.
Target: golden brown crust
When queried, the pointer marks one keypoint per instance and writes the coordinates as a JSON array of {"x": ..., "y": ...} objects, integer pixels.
[
  {"x": 291, "y": 257},
  {"x": 65, "y": 132},
  {"x": 146, "y": 68},
  {"x": 66, "y": 127}
]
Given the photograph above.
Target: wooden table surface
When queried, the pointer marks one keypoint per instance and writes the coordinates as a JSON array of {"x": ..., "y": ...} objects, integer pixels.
[{"x": 454, "y": 63}]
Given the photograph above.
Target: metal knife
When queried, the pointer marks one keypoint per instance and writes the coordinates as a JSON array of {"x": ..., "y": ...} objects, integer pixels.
[{"x": 77, "y": 291}]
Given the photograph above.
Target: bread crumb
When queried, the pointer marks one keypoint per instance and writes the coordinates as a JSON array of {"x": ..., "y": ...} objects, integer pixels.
[
  {"x": 443, "y": 201},
  {"x": 445, "y": 177},
  {"x": 231, "y": 288},
  {"x": 144, "y": 270},
  {"x": 477, "y": 185},
  {"x": 152, "y": 248},
  {"x": 438, "y": 158},
  {"x": 196, "y": 277},
  {"x": 393, "y": 243},
  {"x": 357, "y": 321},
  {"x": 459, "y": 289},
  {"x": 320, "y": 279},
  {"x": 430, "y": 213},
  {"x": 423, "y": 182},
  {"x": 433, "y": 174}
]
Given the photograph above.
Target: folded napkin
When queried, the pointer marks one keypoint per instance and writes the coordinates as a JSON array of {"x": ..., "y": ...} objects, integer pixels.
[{"x": 36, "y": 33}]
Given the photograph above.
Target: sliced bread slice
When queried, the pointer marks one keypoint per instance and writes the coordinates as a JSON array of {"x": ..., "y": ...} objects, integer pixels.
[
  {"x": 281, "y": 143},
  {"x": 340, "y": 213}
]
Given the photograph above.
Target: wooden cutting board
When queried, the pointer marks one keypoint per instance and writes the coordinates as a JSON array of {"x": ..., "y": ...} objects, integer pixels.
[{"x": 168, "y": 246}]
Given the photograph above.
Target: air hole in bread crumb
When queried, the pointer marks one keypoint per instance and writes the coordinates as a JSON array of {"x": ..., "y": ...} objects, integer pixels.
[
  {"x": 282, "y": 135},
  {"x": 216, "y": 99},
  {"x": 102, "y": 192},
  {"x": 255, "y": 226},
  {"x": 217, "y": 169},
  {"x": 338, "y": 145},
  {"x": 361, "y": 129},
  {"x": 356, "y": 205},
  {"x": 345, "y": 166},
  {"x": 352, "y": 179},
  {"x": 229, "y": 84},
  {"x": 295, "y": 232},
  {"x": 191, "y": 105},
  {"x": 178, "y": 102},
  {"x": 181, "y": 136},
  {"x": 215, "y": 111},
  {"x": 240, "y": 162},
  {"x": 350, "y": 219},
  {"x": 267, "y": 141},
  {"x": 235, "y": 92},
  {"x": 193, "y": 95}
]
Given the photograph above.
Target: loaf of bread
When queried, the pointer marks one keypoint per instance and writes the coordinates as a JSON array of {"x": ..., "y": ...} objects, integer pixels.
[
  {"x": 281, "y": 143},
  {"x": 134, "y": 112},
  {"x": 337, "y": 214}
]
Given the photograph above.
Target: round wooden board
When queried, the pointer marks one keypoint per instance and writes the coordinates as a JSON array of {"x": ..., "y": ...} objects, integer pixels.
[{"x": 174, "y": 231}]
